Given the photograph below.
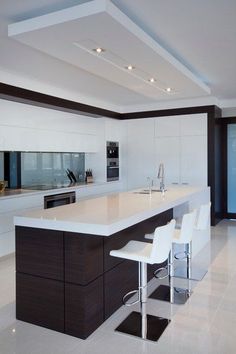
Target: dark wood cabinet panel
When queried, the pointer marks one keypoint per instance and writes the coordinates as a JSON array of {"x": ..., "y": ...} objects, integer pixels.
[
  {"x": 83, "y": 308},
  {"x": 83, "y": 257},
  {"x": 117, "y": 282},
  {"x": 40, "y": 301},
  {"x": 40, "y": 252},
  {"x": 68, "y": 282}
]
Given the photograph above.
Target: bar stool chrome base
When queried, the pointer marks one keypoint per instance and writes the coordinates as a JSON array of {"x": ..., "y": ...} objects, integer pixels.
[
  {"x": 192, "y": 272},
  {"x": 141, "y": 324},
  {"x": 132, "y": 325},
  {"x": 170, "y": 293},
  {"x": 175, "y": 295},
  {"x": 188, "y": 270},
  {"x": 196, "y": 273}
]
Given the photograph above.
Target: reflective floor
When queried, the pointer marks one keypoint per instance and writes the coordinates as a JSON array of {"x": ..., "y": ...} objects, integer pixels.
[{"x": 206, "y": 323}]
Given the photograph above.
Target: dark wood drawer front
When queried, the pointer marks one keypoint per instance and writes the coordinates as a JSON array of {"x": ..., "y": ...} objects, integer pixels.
[
  {"x": 40, "y": 301},
  {"x": 83, "y": 258},
  {"x": 40, "y": 252},
  {"x": 117, "y": 282},
  {"x": 83, "y": 308},
  {"x": 135, "y": 232}
]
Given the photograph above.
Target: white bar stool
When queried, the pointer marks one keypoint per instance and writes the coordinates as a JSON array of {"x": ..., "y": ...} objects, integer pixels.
[
  {"x": 202, "y": 223},
  {"x": 181, "y": 236},
  {"x": 141, "y": 324}
]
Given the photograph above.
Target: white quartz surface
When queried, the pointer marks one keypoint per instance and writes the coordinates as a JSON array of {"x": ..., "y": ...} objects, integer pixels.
[
  {"x": 108, "y": 214},
  {"x": 20, "y": 192}
]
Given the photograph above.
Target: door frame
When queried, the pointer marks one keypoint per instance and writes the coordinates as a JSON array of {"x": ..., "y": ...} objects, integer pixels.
[{"x": 224, "y": 124}]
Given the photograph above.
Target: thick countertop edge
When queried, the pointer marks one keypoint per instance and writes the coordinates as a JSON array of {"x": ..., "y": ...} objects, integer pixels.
[{"x": 101, "y": 229}]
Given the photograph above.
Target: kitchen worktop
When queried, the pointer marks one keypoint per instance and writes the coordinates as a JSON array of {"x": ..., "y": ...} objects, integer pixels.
[
  {"x": 20, "y": 192},
  {"x": 108, "y": 214}
]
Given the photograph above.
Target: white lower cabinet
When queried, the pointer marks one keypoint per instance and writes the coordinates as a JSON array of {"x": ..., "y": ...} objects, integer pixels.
[{"x": 8, "y": 209}]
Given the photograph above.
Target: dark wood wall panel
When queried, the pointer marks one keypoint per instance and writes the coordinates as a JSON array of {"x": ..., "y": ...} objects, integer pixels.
[
  {"x": 83, "y": 308},
  {"x": 40, "y": 301},
  {"x": 18, "y": 94},
  {"x": 215, "y": 170},
  {"x": 83, "y": 257},
  {"x": 40, "y": 252}
]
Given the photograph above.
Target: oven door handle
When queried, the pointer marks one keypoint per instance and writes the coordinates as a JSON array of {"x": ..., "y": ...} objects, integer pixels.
[{"x": 112, "y": 167}]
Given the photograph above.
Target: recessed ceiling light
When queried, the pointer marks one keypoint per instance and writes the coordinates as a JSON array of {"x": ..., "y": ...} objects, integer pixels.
[
  {"x": 99, "y": 50},
  {"x": 152, "y": 79},
  {"x": 130, "y": 67},
  {"x": 168, "y": 89}
]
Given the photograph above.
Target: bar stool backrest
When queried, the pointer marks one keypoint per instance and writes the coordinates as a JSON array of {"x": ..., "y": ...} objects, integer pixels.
[
  {"x": 187, "y": 227},
  {"x": 203, "y": 216},
  {"x": 162, "y": 242}
]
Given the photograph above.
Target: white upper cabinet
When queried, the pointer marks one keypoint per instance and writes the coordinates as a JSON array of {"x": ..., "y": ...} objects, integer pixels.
[
  {"x": 181, "y": 144},
  {"x": 193, "y": 124},
  {"x": 28, "y": 128},
  {"x": 193, "y": 152},
  {"x": 28, "y": 139},
  {"x": 167, "y": 126},
  {"x": 168, "y": 151},
  {"x": 141, "y": 162}
]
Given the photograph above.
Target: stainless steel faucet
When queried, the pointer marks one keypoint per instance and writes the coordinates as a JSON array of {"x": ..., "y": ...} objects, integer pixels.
[{"x": 161, "y": 176}]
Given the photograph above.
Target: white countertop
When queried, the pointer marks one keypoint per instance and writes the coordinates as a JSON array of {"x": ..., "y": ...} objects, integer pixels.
[
  {"x": 108, "y": 214},
  {"x": 21, "y": 192}
]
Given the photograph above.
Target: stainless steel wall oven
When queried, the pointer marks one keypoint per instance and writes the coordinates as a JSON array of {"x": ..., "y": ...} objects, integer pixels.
[{"x": 112, "y": 161}]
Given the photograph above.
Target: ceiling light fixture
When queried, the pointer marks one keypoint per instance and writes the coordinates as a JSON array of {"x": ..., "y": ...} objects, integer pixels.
[
  {"x": 130, "y": 67},
  {"x": 99, "y": 50},
  {"x": 121, "y": 64}
]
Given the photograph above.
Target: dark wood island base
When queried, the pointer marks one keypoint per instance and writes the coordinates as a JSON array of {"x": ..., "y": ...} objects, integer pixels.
[{"x": 68, "y": 282}]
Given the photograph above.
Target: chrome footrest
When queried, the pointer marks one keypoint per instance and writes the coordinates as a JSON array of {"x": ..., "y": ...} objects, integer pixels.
[
  {"x": 186, "y": 254},
  {"x": 157, "y": 271},
  {"x": 128, "y": 294}
]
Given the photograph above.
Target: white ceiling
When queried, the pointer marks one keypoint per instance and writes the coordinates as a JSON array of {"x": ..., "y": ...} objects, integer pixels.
[{"x": 198, "y": 38}]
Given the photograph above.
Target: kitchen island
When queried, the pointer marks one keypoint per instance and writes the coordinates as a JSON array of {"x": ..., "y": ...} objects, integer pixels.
[{"x": 65, "y": 278}]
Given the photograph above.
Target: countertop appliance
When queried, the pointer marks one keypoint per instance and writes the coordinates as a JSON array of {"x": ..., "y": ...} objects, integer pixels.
[
  {"x": 55, "y": 200},
  {"x": 112, "y": 161}
]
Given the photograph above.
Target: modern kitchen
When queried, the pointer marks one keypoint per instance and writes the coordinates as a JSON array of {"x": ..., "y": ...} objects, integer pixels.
[{"x": 117, "y": 178}]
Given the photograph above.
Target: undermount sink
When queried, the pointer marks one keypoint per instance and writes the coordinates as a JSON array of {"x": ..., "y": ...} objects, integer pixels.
[{"x": 147, "y": 191}]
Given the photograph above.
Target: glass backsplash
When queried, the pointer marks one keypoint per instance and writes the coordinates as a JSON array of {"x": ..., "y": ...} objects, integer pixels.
[{"x": 50, "y": 168}]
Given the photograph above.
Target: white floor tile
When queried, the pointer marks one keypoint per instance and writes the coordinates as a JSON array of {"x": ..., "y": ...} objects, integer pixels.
[{"x": 205, "y": 324}]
